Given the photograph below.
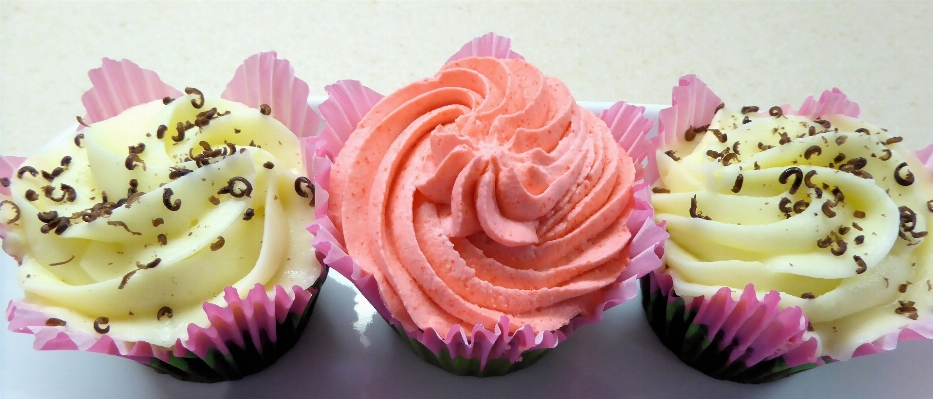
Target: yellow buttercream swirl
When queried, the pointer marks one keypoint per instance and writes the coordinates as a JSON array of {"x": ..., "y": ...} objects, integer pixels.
[
  {"x": 810, "y": 208},
  {"x": 129, "y": 261}
]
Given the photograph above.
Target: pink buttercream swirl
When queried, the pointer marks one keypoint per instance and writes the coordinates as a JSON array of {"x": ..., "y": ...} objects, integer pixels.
[{"x": 485, "y": 191}]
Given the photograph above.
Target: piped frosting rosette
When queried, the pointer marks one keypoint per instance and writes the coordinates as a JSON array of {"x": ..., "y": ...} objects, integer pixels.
[
  {"x": 482, "y": 211},
  {"x": 798, "y": 236},
  {"x": 170, "y": 227}
]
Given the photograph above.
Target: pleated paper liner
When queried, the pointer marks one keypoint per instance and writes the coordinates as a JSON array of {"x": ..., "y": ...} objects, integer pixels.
[
  {"x": 246, "y": 334},
  {"x": 747, "y": 340},
  {"x": 481, "y": 351}
]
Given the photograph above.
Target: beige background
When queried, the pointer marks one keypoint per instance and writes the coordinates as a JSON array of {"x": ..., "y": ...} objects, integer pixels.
[{"x": 762, "y": 53}]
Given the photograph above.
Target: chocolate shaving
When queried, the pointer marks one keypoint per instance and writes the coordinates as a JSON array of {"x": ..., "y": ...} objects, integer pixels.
[
  {"x": 776, "y": 111},
  {"x": 837, "y": 193},
  {"x": 126, "y": 279},
  {"x": 660, "y": 190},
  {"x": 843, "y": 230},
  {"x": 162, "y": 239},
  {"x": 166, "y": 100},
  {"x": 886, "y": 154},
  {"x": 793, "y": 171},
  {"x": 735, "y": 147},
  {"x": 79, "y": 140},
  {"x": 807, "y": 177},
  {"x": 205, "y": 145},
  {"x": 81, "y": 121},
  {"x": 713, "y": 154},
  {"x": 199, "y": 102},
  {"x": 249, "y": 214},
  {"x": 157, "y": 222},
  {"x": 166, "y": 200},
  {"x": 907, "y": 308},
  {"x": 693, "y": 210},
  {"x": 150, "y": 265},
  {"x": 719, "y": 135},
  {"x": 132, "y": 160},
  {"x": 825, "y": 242},
  {"x": 101, "y": 321},
  {"x": 827, "y": 209},
  {"x": 807, "y": 295},
  {"x": 214, "y": 200},
  {"x": 47, "y": 217},
  {"x": 764, "y": 147},
  {"x": 893, "y": 140},
  {"x": 907, "y": 180},
  {"x": 930, "y": 205},
  {"x": 268, "y": 165},
  {"x": 824, "y": 123},
  {"x": 862, "y": 267},
  {"x": 180, "y": 128},
  {"x": 165, "y": 310},
  {"x": 801, "y": 206},
  {"x": 122, "y": 224},
  {"x": 839, "y": 158},
  {"x": 66, "y": 160},
  {"x": 31, "y": 195},
  {"x": 902, "y": 288},
  {"x": 784, "y": 138},
  {"x": 179, "y": 172},
  {"x": 737, "y": 186},
  {"x": 160, "y": 132},
  {"x": 749, "y": 108},
  {"x": 265, "y": 109},
  {"x": 69, "y": 192},
  {"x": 859, "y": 240},
  {"x": 783, "y": 205},
  {"x": 15, "y": 208},
  {"x": 5, "y": 182},
  {"x": 813, "y": 150},
  {"x": 841, "y": 140},
  {"x": 811, "y": 131},
  {"x": 27, "y": 169},
  {"x": 62, "y": 262},
  {"x": 231, "y": 187},
  {"x": 54, "y": 322},
  {"x": 746, "y": 120},
  {"x": 840, "y": 249},
  {"x": 218, "y": 244},
  {"x": 862, "y": 130}
]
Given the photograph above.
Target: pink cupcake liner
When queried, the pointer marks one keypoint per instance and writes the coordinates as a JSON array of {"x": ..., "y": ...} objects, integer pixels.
[
  {"x": 118, "y": 86},
  {"x": 755, "y": 330},
  {"x": 348, "y": 103}
]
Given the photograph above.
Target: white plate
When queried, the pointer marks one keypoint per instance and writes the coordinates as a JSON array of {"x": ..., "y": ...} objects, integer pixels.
[{"x": 347, "y": 351}]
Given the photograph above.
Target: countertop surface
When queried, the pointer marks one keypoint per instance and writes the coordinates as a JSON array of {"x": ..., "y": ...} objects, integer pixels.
[{"x": 749, "y": 53}]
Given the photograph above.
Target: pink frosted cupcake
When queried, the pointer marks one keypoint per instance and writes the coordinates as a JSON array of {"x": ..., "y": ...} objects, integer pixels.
[
  {"x": 482, "y": 211},
  {"x": 798, "y": 237},
  {"x": 170, "y": 228}
]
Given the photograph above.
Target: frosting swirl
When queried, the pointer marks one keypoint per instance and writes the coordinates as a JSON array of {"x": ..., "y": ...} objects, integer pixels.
[
  {"x": 831, "y": 213},
  {"x": 484, "y": 191},
  {"x": 145, "y": 216}
]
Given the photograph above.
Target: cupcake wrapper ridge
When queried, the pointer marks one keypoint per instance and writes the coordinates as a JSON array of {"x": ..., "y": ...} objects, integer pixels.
[
  {"x": 748, "y": 339},
  {"x": 245, "y": 334},
  {"x": 483, "y": 352}
]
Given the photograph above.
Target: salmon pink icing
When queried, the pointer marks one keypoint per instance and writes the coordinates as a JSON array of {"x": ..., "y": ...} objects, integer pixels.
[{"x": 485, "y": 191}]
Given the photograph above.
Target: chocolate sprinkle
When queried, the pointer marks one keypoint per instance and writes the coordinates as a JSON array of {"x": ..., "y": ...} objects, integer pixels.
[
  {"x": 164, "y": 311},
  {"x": 166, "y": 200},
  {"x": 195, "y": 102},
  {"x": 218, "y": 244},
  {"x": 265, "y": 109},
  {"x": 55, "y": 322},
  {"x": 907, "y": 180},
  {"x": 101, "y": 321},
  {"x": 738, "y": 183},
  {"x": 15, "y": 208},
  {"x": 749, "y": 108},
  {"x": 796, "y": 172},
  {"x": 126, "y": 279},
  {"x": 660, "y": 190}
]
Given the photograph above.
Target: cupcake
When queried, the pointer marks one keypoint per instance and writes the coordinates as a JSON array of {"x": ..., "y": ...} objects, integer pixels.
[
  {"x": 167, "y": 227},
  {"x": 798, "y": 237},
  {"x": 482, "y": 212}
]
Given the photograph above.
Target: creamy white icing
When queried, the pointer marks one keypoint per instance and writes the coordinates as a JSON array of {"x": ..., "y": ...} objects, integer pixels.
[
  {"x": 271, "y": 248},
  {"x": 878, "y": 283}
]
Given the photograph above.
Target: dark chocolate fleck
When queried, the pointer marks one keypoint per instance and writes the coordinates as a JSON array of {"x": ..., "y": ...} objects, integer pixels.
[
  {"x": 198, "y": 102},
  {"x": 165, "y": 310},
  {"x": 55, "y": 322},
  {"x": 167, "y": 198},
  {"x": 249, "y": 214},
  {"x": 126, "y": 279},
  {"x": 907, "y": 179},
  {"x": 218, "y": 244},
  {"x": 102, "y": 321}
]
